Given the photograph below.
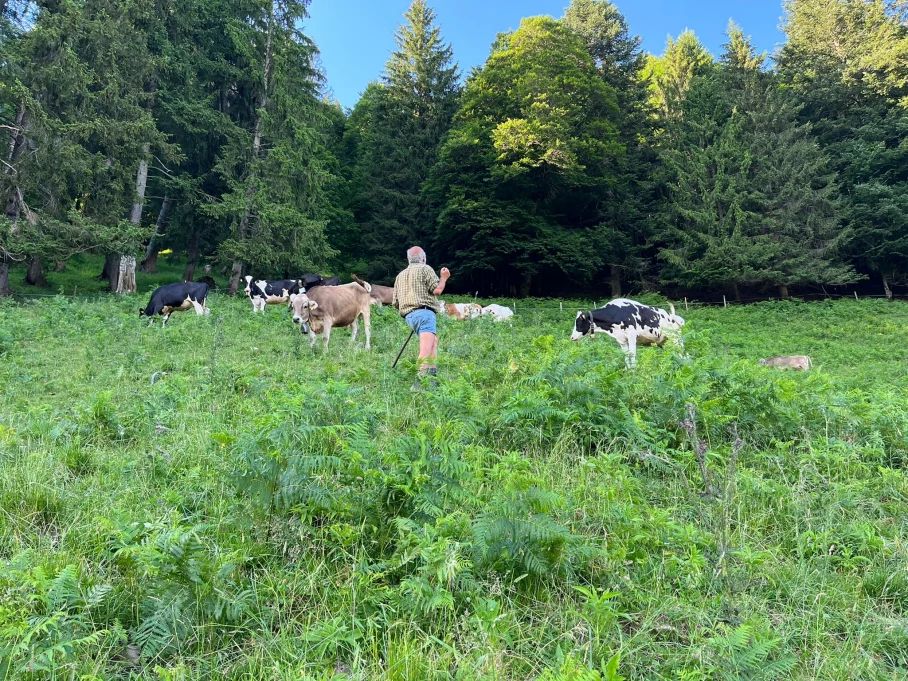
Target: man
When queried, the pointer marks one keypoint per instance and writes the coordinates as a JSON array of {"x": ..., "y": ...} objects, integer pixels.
[{"x": 415, "y": 291}]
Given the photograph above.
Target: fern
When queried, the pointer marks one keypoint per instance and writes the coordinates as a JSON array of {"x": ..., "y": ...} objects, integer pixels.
[{"x": 744, "y": 652}]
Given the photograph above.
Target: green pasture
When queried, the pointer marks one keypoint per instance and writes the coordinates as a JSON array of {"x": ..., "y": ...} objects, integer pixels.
[{"x": 216, "y": 500}]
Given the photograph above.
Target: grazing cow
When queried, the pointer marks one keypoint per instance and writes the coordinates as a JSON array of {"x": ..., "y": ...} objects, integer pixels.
[
  {"x": 797, "y": 362},
  {"x": 262, "y": 293},
  {"x": 461, "y": 310},
  {"x": 180, "y": 296},
  {"x": 310, "y": 281},
  {"x": 498, "y": 312},
  {"x": 381, "y": 295},
  {"x": 629, "y": 323},
  {"x": 324, "y": 307}
]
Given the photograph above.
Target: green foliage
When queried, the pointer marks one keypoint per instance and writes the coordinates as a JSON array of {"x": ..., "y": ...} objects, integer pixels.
[
  {"x": 750, "y": 200},
  {"x": 48, "y": 619},
  {"x": 393, "y": 134},
  {"x": 845, "y": 62},
  {"x": 670, "y": 76},
  {"x": 269, "y": 512},
  {"x": 536, "y": 133}
]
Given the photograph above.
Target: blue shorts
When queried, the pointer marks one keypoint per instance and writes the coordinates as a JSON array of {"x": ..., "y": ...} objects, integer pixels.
[{"x": 421, "y": 321}]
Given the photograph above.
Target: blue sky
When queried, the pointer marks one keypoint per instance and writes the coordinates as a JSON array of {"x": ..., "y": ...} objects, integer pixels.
[{"x": 356, "y": 37}]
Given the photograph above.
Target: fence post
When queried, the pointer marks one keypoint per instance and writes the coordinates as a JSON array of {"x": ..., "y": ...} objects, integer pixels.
[
  {"x": 855, "y": 295},
  {"x": 724, "y": 302},
  {"x": 561, "y": 305},
  {"x": 685, "y": 303}
]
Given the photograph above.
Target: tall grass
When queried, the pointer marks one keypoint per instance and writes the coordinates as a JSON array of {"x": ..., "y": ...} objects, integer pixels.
[{"x": 216, "y": 500}]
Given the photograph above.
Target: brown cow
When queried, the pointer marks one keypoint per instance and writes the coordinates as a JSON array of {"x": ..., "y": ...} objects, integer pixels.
[
  {"x": 325, "y": 307},
  {"x": 381, "y": 295},
  {"x": 461, "y": 311},
  {"x": 798, "y": 362}
]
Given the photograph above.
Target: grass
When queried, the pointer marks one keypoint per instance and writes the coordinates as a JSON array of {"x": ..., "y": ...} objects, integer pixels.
[
  {"x": 80, "y": 277},
  {"x": 218, "y": 501}
]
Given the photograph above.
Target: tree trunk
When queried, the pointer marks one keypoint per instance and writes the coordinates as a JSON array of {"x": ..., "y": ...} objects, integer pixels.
[
  {"x": 111, "y": 266},
  {"x": 4, "y": 277},
  {"x": 737, "y": 291},
  {"x": 193, "y": 258},
  {"x": 615, "y": 281},
  {"x": 16, "y": 143},
  {"x": 526, "y": 285},
  {"x": 34, "y": 275},
  {"x": 150, "y": 262},
  {"x": 126, "y": 276},
  {"x": 126, "y": 273},
  {"x": 886, "y": 289},
  {"x": 783, "y": 290},
  {"x": 236, "y": 269}
]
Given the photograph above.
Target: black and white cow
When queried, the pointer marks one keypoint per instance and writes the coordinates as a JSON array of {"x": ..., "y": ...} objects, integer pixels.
[
  {"x": 262, "y": 293},
  {"x": 171, "y": 297},
  {"x": 629, "y": 323},
  {"x": 310, "y": 281}
]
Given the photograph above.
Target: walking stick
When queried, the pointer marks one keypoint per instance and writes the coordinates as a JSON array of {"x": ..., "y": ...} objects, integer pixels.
[{"x": 403, "y": 347}]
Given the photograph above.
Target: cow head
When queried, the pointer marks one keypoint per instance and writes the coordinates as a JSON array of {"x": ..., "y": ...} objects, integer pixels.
[
  {"x": 670, "y": 320},
  {"x": 303, "y": 310},
  {"x": 248, "y": 288},
  {"x": 583, "y": 325},
  {"x": 141, "y": 311}
]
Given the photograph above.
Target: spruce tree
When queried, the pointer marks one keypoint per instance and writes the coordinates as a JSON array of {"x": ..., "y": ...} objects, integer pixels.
[
  {"x": 623, "y": 206},
  {"x": 401, "y": 123},
  {"x": 751, "y": 200},
  {"x": 847, "y": 63},
  {"x": 671, "y": 75},
  {"x": 275, "y": 169}
]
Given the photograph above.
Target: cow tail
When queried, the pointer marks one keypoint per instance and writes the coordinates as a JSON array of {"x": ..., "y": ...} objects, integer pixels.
[{"x": 365, "y": 284}]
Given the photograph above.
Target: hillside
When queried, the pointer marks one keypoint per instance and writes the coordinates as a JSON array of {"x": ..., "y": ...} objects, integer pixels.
[{"x": 215, "y": 500}]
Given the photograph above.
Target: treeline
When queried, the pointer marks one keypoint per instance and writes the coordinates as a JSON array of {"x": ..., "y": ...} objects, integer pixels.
[{"x": 569, "y": 161}]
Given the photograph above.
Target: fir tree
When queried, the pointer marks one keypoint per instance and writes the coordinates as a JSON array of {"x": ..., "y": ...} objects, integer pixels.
[
  {"x": 400, "y": 124},
  {"x": 619, "y": 61},
  {"x": 846, "y": 62},
  {"x": 751, "y": 200}
]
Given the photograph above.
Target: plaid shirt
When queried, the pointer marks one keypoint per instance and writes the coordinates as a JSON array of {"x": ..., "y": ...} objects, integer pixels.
[{"x": 413, "y": 288}]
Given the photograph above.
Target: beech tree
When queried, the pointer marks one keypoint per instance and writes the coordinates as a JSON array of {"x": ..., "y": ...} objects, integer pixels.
[{"x": 522, "y": 174}]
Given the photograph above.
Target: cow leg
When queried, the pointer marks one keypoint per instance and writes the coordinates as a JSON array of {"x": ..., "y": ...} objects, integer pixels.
[
  {"x": 630, "y": 357},
  {"x": 164, "y": 320},
  {"x": 311, "y": 337},
  {"x": 326, "y": 332},
  {"x": 354, "y": 327},
  {"x": 367, "y": 326},
  {"x": 199, "y": 310}
]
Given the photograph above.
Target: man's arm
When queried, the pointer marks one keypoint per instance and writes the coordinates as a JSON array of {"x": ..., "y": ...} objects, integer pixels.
[{"x": 445, "y": 275}]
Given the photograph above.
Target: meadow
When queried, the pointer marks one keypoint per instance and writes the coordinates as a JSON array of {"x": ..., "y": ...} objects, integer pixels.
[{"x": 218, "y": 501}]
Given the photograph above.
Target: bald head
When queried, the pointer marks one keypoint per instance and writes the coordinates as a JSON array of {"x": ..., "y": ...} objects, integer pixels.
[{"x": 415, "y": 255}]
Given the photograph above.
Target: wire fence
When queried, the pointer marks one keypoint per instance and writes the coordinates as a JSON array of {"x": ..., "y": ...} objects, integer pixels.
[{"x": 531, "y": 304}]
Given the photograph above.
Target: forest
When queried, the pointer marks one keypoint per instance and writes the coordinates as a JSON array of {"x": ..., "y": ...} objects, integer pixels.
[{"x": 570, "y": 161}]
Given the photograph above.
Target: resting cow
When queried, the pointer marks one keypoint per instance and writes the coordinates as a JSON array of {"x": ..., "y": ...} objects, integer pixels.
[
  {"x": 797, "y": 362},
  {"x": 497, "y": 312},
  {"x": 461, "y": 310},
  {"x": 180, "y": 296},
  {"x": 381, "y": 295},
  {"x": 262, "y": 293},
  {"x": 629, "y": 323},
  {"x": 324, "y": 307}
]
